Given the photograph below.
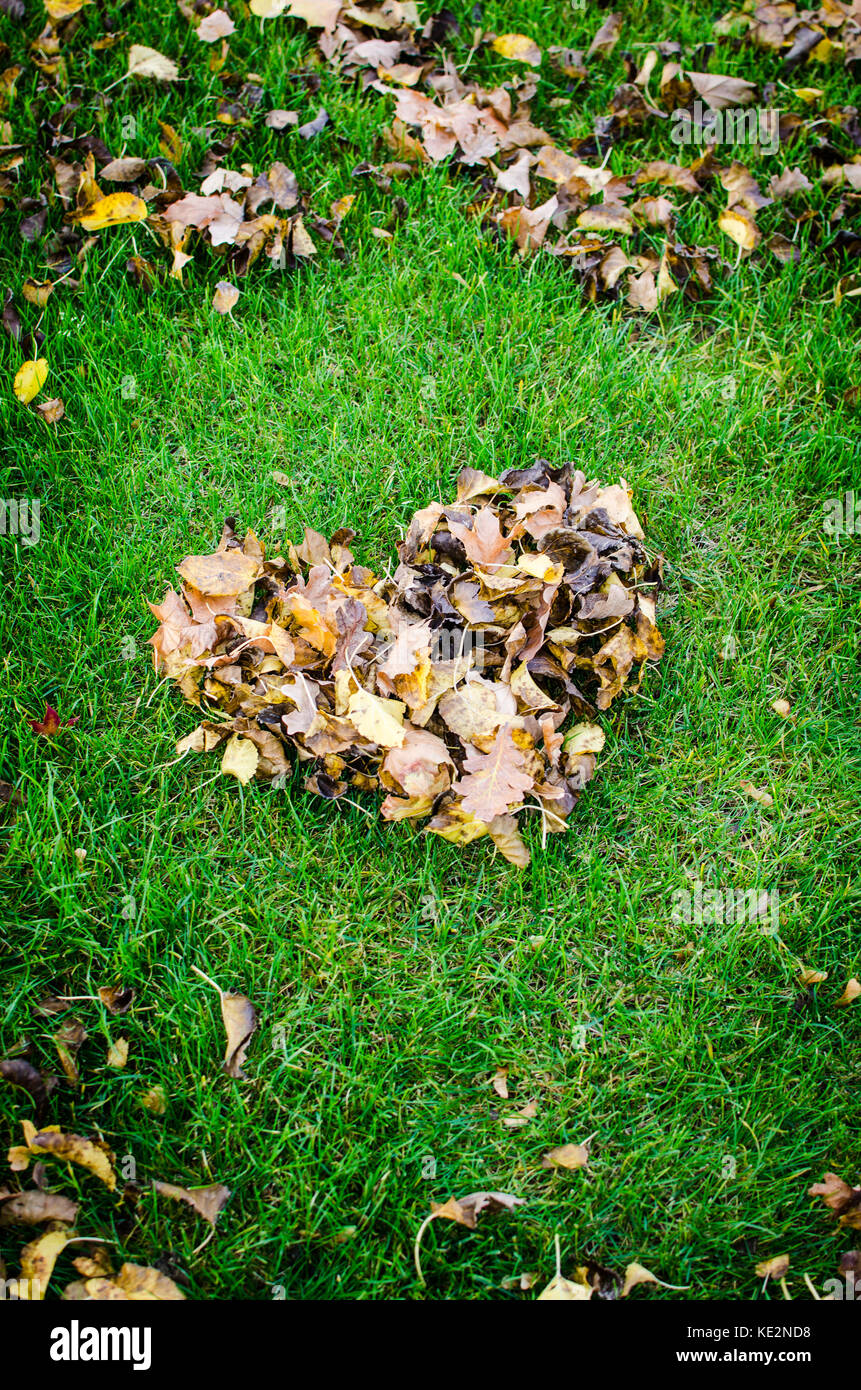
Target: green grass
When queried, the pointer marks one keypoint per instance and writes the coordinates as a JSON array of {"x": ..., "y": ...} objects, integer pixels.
[{"x": 393, "y": 972}]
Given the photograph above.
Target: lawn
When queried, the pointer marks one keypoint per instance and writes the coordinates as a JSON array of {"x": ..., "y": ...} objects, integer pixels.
[{"x": 394, "y": 973}]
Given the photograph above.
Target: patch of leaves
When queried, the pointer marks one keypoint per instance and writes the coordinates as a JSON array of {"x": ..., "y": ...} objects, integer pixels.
[{"x": 445, "y": 685}]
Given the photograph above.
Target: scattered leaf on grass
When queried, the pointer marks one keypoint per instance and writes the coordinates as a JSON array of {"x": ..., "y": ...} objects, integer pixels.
[
  {"x": 112, "y": 211},
  {"x": 154, "y": 1100},
  {"x": 148, "y": 62},
  {"x": 499, "y": 1082},
  {"x": 51, "y": 410},
  {"x": 51, "y": 1142},
  {"x": 225, "y": 297},
  {"x": 775, "y": 1268},
  {"x": 240, "y": 1023},
  {"x": 118, "y": 1054},
  {"x": 206, "y": 1201},
  {"x": 50, "y": 724},
  {"x": 29, "y": 380},
  {"x": 841, "y": 1199},
  {"x": 214, "y": 26},
  {"x": 465, "y": 1211},
  {"x": 567, "y": 1156},
  {"x": 519, "y": 47},
  {"x": 758, "y": 794},
  {"x": 851, "y": 992},
  {"x": 637, "y": 1274},
  {"x": 32, "y": 1207},
  {"x": 117, "y": 999}
]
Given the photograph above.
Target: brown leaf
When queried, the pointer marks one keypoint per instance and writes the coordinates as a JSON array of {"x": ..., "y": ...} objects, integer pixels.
[
  {"x": 775, "y": 1268},
  {"x": 33, "y": 1207},
  {"x": 206, "y": 1201},
  {"x": 51, "y": 1142},
  {"x": 18, "y": 1072},
  {"x": 606, "y": 37},
  {"x": 494, "y": 781}
]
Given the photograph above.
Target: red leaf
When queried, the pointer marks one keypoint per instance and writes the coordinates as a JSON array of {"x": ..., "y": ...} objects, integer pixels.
[{"x": 50, "y": 725}]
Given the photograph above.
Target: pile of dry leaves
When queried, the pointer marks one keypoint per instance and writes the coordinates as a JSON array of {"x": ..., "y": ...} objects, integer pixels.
[{"x": 446, "y": 684}]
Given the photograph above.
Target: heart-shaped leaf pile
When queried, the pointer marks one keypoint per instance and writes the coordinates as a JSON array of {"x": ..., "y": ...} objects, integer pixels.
[{"x": 528, "y": 599}]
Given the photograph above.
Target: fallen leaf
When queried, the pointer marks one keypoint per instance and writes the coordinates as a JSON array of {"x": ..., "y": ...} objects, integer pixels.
[
  {"x": 606, "y": 37},
  {"x": 29, "y": 380},
  {"x": 775, "y": 1268},
  {"x": 519, "y": 47},
  {"x": 148, "y": 62},
  {"x": 50, "y": 724},
  {"x": 225, "y": 297},
  {"x": 758, "y": 794},
  {"x": 240, "y": 1023},
  {"x": 118, "y": 1054},
  {"x": 567, "y": 1156},
  {"x": 206, "y": 1201},
  {"x": 33, "y": 1207},
  {"x": 113, "y": 211},
  {"x": 637, "y": 1274},
  {"x": 240, "y": 759},
  {"x": 154, "y": 1100},
  {"x": 51, "y": 1142},
  {"x": 214, "y": 26}
]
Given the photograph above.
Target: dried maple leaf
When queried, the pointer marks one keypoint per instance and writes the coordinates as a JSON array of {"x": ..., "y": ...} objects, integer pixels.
[
  {"x": 50, "y": 724},
  {"x": 494, "y": 781}
]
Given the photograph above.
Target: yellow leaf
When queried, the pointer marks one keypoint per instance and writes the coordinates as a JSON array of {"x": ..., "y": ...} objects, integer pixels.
[
  {"x": 584, "y": 738},
  {"x": 37, "y": 292},
  {"x": 740, "y": 227},
  {"x": 37, "y": 1263},
  {"x": 112, "y": 211},
  {"x": 240, "y": 759},
  {"x": 775, "y": 1268},
  {"x": 64, "y": 9},
  {"x": 561, "y": 1290},
  {"x": 519, "y": 47},
  {"x": 51, "y": 1142},
  {"x": 851, "y": 992},
  {"x": 637, "y": 1274},
  {"x": 148, "y": 62},
  {"x": 380, "y": 721},
  {"x": 567, "y": 1156},
  {"x": 30, "y": 379}
]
